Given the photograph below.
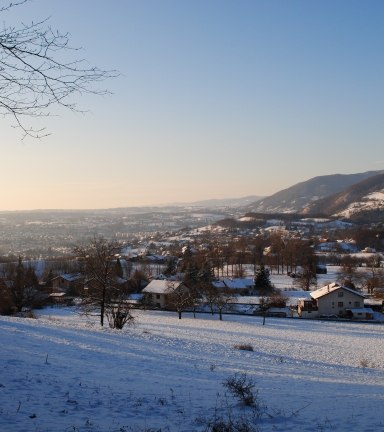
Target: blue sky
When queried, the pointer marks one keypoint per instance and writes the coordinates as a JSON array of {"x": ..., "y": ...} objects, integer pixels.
[{"x": 215, "y": 99}]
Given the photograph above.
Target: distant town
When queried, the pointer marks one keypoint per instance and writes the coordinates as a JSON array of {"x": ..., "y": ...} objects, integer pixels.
[{"x": 285, "y": 257}]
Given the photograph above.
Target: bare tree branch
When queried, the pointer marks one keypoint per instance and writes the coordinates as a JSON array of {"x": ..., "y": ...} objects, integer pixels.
[{"x": 33, "y": 78}]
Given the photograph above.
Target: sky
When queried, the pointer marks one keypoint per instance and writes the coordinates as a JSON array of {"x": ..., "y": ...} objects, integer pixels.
[{"x": 215, "y": 99}]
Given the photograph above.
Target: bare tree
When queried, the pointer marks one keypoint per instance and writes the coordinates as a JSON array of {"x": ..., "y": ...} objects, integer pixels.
[
  {"x": 374, "y": 276},
  {"x": 349, "y": 273},
  {"x": 223, "y": 302},
  {"x": 306, "y": 278},
  {"x": 105, "y": 293},
  {"x": 196, "y": 298},
  {"x": 256, "y": 256},
  {"x": 127, "y": 268},
  {"x": 179, "y": 297},
  {"x": 118, "y": 311},
  {"x": 33, "y": 77},
  {"x": 209, "y": 296},
  {"x": 263, "y": 307},
  {"x": 138, "y": 280}
]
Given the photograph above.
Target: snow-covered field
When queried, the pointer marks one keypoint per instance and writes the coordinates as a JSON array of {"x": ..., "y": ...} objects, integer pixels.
[{"x": 167, "y": 373}]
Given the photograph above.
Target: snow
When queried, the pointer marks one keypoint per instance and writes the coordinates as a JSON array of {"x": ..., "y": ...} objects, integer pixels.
[
  {"x": 166, "y": 373},
  {"x": 376, "y": 195}
]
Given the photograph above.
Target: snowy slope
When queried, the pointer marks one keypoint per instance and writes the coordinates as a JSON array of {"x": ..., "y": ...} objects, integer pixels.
[
  {"x": 366, "y": 195},
  {"x": 166, "y": 373},
  {"x": 372, "y": 201}
]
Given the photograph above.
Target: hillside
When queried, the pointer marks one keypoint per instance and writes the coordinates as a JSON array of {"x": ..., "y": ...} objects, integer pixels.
[
  {"x": 365, "y": 196},
  {"x": 298, "y": 196},
  {"x": 166, "y": 374}
]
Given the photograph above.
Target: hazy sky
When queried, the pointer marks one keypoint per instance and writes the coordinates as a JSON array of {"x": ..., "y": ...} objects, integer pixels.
[{"x": 217, "y": 99}]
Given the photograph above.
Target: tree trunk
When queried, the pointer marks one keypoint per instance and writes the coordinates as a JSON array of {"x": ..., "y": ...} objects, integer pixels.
[
  {"x": 179, "y": 314},
  {"x": 221, "y": 316},
  {"x": 263, "y": 319},
  {"x": 102, "y": 309}
]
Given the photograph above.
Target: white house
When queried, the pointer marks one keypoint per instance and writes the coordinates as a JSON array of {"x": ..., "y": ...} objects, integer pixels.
[
  {"x": 334, "y": 299},
  {"x": 158, "y": 290}
]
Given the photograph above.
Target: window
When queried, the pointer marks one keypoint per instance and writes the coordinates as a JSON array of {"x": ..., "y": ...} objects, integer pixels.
[
  {"x": 340, "y": 304},
  {"x": 157, "y": 296},
  {"x": 357, "y": 303},
  {"x": 340, "y": 294}
]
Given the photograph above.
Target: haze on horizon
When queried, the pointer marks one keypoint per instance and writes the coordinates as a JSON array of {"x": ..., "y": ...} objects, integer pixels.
[{"x": 217, "y": 99}]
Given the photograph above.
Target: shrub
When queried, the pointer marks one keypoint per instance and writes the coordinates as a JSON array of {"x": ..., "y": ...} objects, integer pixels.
[
  {"x": 244, "y": 347},
  {"x": 242, "y": 388}
]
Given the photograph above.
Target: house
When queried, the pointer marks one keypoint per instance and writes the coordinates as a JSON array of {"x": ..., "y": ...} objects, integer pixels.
[
  {"x": 334, "y": 299},
  {"x": 58, "y": 297},
  {"x": 235, "y": 284},
  {"x": 159, "y": 290},
  {"x": 68, "y": 282},
  {"x": 336, "y": 246},
  {"x": 93, "y": 285}
]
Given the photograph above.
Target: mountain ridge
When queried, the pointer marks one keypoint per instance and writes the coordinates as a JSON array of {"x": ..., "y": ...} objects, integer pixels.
[
  {"x": 243, "y": 201},
  {"x": 299, "y": 196},
  {"x": 354, "y": 199}
]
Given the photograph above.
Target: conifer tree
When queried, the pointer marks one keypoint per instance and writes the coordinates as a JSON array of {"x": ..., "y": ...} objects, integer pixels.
[
  {"x": 262, "y": 280},
  {"x": 170, "y": 268}
]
